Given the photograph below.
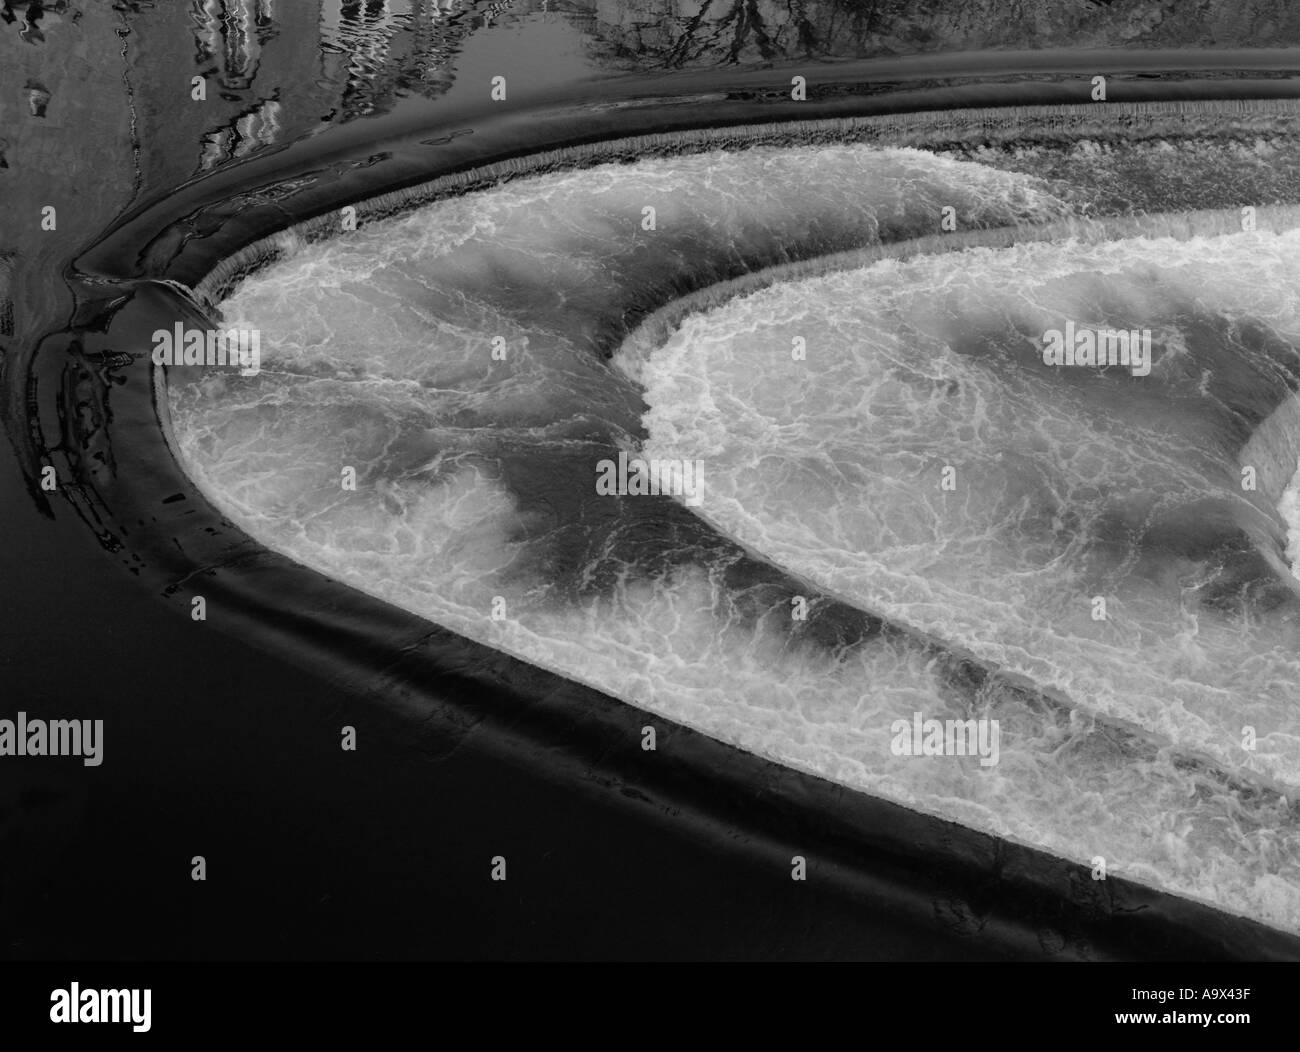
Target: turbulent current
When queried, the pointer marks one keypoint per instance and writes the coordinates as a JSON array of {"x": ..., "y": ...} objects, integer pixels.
[{"x": 881, "y": 445}]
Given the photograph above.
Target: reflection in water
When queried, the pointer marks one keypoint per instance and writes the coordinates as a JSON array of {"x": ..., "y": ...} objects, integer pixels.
[
  {"x": 282, "y": 68},
  {"x": 275, "y": 71},
  {"x": 33, "y": 12},
  {"x": 234, "y": 31},
  {"x": 360, "y": 33},
  {"x": 697, "y": 33},
  {"x": 230, "y": 35},
  {"x": 113, "y": 82},
  {"x": 258, "y": 127}
]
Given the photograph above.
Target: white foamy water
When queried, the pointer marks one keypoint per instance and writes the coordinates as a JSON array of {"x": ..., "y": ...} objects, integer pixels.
[
  {"x": 377, "y": 355},
  {"x": 1069, "y": 484},
  {"x": 1289, "y": 506}
]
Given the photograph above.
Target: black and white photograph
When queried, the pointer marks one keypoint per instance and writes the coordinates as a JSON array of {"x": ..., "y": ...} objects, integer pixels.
[{"x": 649, "y": 481}]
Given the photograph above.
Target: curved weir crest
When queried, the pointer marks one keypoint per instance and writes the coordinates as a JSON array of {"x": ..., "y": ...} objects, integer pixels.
[
  {"x": 475, "y": 482},
  {"x": 475, "y": 471}
]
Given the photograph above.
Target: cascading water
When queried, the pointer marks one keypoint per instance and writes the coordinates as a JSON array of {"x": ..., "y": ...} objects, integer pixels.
[{"x": 455, "y": 359}]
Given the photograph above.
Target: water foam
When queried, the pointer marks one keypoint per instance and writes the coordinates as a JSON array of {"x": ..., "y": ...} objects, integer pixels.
[{"x": 1072, "y": 485}]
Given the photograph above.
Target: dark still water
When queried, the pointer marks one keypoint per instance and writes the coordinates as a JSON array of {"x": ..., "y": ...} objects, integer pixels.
[{"x": 390, "y": 532}]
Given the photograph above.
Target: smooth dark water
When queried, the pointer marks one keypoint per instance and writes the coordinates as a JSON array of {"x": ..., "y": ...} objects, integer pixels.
[{"x": 216, "y": 746}]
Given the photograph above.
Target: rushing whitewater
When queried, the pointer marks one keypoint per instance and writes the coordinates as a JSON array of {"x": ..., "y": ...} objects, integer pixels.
[
  {"x": 454, "y": 360},
  {"x": 1066, "y": 485}
]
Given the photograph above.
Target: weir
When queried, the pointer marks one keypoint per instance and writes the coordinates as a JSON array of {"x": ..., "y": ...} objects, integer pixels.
[
  {"x": 893, "y": 838},
  {"x": 410, "y": 255},
  {"x": 1117, "y": 122}
]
